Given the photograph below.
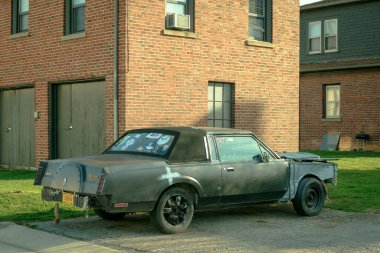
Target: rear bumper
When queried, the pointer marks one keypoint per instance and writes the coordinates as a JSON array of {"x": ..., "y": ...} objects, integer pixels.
[{"x": 49, "y": 194}]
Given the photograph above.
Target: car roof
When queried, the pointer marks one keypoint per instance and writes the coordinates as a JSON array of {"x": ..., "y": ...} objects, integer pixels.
[{"x": 209, "y": 130}]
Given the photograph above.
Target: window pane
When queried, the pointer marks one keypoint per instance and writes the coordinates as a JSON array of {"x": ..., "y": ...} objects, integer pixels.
[
  {"x": 175, "y": 8},
  {"x": 257, "y": 7},
  {"x": 218, "y": 92},
  {"x": 314, "y": 29},
  {"x": 210, "y": 123},
  {"x": 78, "y": 2},
  {"x": 315, "y": 45},
  {"x": 227, "y": 124},
  {"x": 227, "y": 111},
  {"x": 332, "y": 101},
  {"x": 330, "y": 43},
  {"x": 330, "y": 27},
  {"x": 227, "y": 93},
  {"x": 239, "y": 149},
  {"x": 218, "y": 110},
  {"x": 218, "y": 123},
  {"x": 210, "y": 92},
  {"x": 24, "y": 22},
  {"x": 24, "y": 6},
  {"x": 79, "y": 18},
  {"x": 210, "y": 110},
  {"x": 251, "y": 26}
]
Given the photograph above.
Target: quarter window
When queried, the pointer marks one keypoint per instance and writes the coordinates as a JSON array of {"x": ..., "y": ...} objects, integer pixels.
[
  {"x": 332, "y": 101},
  {"x": 330, "y": 34},
  {"x": 20, "y": 9},
  {"x": 260, "y": 20},
  {"x": 219, "y": 105},
  {"x": 315, "y": 37},
  {"x": 238, "y": 148},
  {"x": 75, "y": 16}
]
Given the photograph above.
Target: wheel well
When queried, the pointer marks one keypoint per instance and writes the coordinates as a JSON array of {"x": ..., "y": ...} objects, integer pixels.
[
  {"x": 190, "y": 188},
  {"x": 314, "y": 176}
]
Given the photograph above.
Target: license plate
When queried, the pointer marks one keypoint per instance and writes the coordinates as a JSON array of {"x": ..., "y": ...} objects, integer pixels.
[{"x": 68, "y": 198}]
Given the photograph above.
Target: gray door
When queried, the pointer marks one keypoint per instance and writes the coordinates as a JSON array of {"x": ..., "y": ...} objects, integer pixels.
[
  {"x": 80, "y": 119},
  {"x": 245, "y": 176},
  {"x": 17, "y": 127}
]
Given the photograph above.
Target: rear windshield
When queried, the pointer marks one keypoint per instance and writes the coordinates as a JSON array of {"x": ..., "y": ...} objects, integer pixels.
[{"x": 148, "y": 143}]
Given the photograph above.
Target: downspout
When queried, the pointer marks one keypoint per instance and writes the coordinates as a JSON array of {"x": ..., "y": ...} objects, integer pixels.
[{"x": 116, "y": 73}]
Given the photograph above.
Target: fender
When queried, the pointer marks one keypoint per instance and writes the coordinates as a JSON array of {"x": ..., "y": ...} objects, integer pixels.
[{"x": 165, "y": 184}]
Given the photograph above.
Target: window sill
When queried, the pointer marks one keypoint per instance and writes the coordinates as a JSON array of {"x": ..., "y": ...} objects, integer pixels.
[
  {"x": 313, "y": 53},
  {"x": 19, "y": 35},
  {"x": 73, "y": 36},
  {"x": 257, "y": 43},
  {"x": 332, "y": 119},
  {"x": 331, "y": 51},
  {"x": 185, "y": 34}
]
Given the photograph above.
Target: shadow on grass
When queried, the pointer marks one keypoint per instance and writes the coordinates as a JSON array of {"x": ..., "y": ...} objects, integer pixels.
[
  {"x": 28, "y": 217},
  {"x": 16, "y": 174}
]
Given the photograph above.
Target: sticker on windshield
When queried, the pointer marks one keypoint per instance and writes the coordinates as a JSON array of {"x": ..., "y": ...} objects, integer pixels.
[
  {"x": 163, "y": 140},
  {"x": 153, "y": 136}
]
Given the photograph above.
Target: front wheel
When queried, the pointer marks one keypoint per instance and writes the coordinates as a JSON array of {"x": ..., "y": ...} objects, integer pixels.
[
  {"x": 174, "y": 211},
  {"x": 109, "y": 216},
  {"x": 309, "y": 198}
]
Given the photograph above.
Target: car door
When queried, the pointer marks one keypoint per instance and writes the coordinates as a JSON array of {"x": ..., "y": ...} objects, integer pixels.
[{"x": 246, "y": 177}]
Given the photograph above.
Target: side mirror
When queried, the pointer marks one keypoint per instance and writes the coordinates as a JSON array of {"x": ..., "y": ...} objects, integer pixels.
[{"x": 265, "y": 157}]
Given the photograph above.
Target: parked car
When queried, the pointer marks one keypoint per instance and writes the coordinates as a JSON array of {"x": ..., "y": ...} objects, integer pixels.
[{"x": 170, "y": 172}]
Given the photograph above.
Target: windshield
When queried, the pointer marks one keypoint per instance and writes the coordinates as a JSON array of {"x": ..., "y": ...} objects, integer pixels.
[{"x": 148, "y": 143}]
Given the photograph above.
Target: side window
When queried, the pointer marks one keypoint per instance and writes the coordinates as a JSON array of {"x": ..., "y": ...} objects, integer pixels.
[
  {"x": 212, "y": 148},
  {"x": 238, "y": 148},
  {"x": 315, "y": 37}
]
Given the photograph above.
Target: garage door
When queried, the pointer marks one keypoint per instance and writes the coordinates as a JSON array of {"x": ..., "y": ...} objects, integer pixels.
[
  {"x": 79, "y": 119},
  {"x": 17, "y": 127}
]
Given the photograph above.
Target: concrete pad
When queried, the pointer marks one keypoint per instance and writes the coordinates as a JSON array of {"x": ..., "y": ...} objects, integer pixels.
[{"x": 16, "y": 239}]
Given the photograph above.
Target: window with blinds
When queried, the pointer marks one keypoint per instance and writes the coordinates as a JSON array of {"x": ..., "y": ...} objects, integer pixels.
[{"x": 260, "y": 20}]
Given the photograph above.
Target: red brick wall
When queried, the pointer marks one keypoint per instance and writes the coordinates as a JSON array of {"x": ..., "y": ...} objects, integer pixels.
[
  {"x": 167, "y": 77},
  {"x": 163, "y": 79},
  {"x": 42, "y": 58},
  {"x": 360, "y": 108}
]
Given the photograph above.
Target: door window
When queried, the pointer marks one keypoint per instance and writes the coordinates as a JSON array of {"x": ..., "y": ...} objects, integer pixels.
[{"x": 238, "y": 148}]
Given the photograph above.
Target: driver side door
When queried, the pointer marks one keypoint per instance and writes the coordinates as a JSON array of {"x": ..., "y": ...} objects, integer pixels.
[{"x": 246, "y": 177}]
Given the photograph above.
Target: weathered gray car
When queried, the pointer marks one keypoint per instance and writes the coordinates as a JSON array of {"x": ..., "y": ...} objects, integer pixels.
[{"x": 172, "y": 171}]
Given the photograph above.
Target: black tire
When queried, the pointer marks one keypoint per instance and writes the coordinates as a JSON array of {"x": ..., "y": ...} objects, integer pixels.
[
  {"x": 310, "y": 197},
  {"x": 173, "y": 211},
  {"x": 109, "y": 216}
]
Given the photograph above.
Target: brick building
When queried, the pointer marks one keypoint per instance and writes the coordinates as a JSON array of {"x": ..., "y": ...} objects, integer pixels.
[
  {"x": 198, "y": 63},
  {"x": 340, "y": 73}
]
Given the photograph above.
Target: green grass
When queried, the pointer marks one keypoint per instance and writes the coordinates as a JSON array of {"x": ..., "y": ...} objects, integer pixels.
[
  {"x": 20, "y": 201},
  {"x": 358, "y": 186}
]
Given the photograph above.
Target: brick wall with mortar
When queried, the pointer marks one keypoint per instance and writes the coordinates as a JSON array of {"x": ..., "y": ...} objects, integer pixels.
[
  {"x": 163, "y": 79},
  {"x": 167, "y": 76},
  {"x": 360, "y": 108}
]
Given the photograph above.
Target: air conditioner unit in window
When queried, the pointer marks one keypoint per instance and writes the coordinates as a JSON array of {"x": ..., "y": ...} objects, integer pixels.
[{"x": 178, "y": 21}]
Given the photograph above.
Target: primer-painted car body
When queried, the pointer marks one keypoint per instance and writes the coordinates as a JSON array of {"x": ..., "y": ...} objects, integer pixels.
[{"x": 133, "y": 182}]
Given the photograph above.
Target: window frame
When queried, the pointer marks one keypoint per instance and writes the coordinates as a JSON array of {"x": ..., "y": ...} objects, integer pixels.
[
  {"x": 17, "y": 15},
  {"x": 223, "y": 101},
  {"x": 309, "y": 38},
  {"x": 189, "y": 10},
  {"x": 267, "y": 20},
  {"x": 324, "y": 36},
  {"x": 69, "y": 17},
  {"x": 326, "y": 102}
]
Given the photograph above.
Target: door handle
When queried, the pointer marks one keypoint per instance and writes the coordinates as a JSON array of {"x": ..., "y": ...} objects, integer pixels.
[
  {"x": 229, "y": 169},
  {"x": 69, "y": 128}
]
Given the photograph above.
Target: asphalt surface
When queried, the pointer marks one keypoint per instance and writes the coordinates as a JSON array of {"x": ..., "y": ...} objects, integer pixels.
[{"x": 258, "y": 229}]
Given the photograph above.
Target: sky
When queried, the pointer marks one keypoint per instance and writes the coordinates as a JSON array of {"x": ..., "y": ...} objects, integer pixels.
[{"x": 302, "y": 2}]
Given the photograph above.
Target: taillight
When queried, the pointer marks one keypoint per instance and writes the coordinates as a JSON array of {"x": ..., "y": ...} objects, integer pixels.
[{"x": 101, "y": 183}]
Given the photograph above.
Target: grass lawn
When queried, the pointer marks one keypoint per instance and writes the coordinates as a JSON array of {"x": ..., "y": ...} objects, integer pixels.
[
  {"x": 358, "y": 186},
  {"x": 20, "y": 200},
  {"x": 358, "y": 189}
]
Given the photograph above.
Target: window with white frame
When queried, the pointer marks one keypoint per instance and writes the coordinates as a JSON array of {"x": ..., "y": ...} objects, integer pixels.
[
  {"x": 331, "y": 35},
  {"x": 181, "y": 7},
  {"x": 260, "y": 20},
  {"x": 315, "y": 37},
  {"x": 332, "y": 101}
]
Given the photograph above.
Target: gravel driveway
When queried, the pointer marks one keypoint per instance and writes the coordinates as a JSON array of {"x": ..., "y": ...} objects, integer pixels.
[{"x": 258, "y": 229}]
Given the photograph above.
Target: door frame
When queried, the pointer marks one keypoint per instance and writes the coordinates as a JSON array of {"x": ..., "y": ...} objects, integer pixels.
[{"x": 53, "y": 106}]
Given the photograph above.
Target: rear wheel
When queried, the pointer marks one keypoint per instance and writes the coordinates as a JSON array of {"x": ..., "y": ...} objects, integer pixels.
[
  {"x": 174, "y": 211},
  {"x": 109, "y": 216},
  {"x": 309, "y": 198}
]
